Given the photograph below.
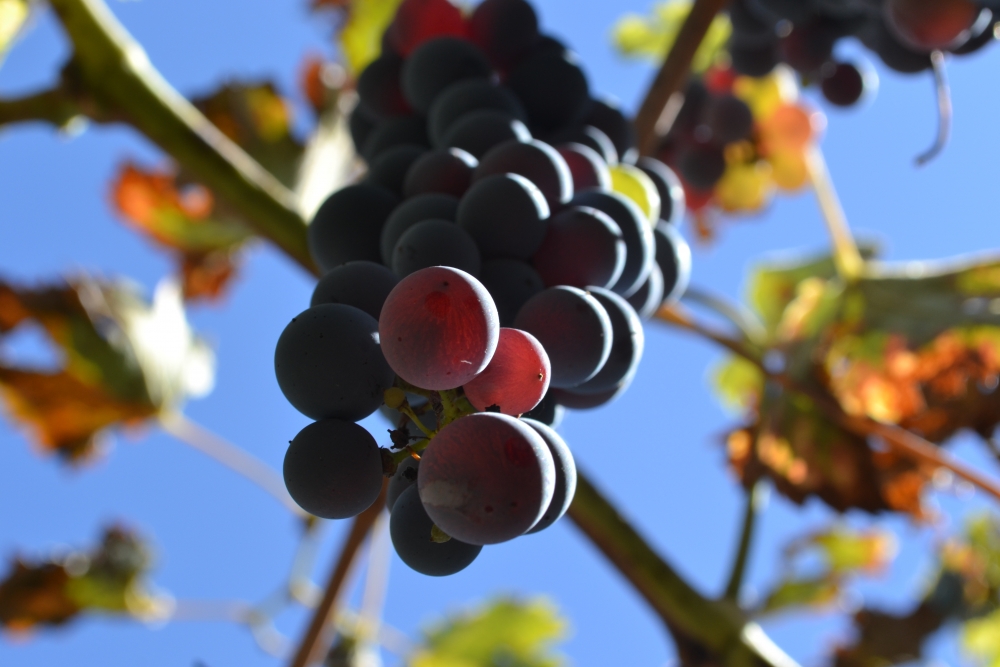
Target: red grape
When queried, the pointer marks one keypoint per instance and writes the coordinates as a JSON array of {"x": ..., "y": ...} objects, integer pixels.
[
  {"x": 516, "y": 378},
  {"x": 439, "y": 328},
  {"x": 486, "y": 478},
  {"x": 419, "y": 20}
]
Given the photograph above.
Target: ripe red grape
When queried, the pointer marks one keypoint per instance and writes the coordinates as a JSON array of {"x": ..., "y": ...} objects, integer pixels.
[
  {"x": 506, "y": 215},
  {"x": 504, "y": 29},
  {"x": 925, "y": 25},
  {"x": 583, "y": 246},
  {"x": 516, "y": 378},
  {"x": 587, "y": 168},
  {"x": 435, "y": 243},
  {"x": 433, "y": 206},
  {"x": 637, "y": 233},
  {"x": 627, "y": 343},
  {"x": 347, "y": 226},
  {"x": 448, "y": 171},
  {"x": 417, "y": 21},
  {"x": 361, "y": 284},
  {"x": 537, "y": 161},
  {"x": 486, "y": 478},
  {"x": 439, "y": 328},
  {"x": 565, "y": 487}
]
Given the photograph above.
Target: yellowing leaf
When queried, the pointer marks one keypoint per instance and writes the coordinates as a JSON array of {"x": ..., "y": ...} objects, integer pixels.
[
  {"x": 652, "y": 36},
  {"x": 506, "y": 632},
  {"x": 126, "y": 360},
  {"x": 980, "y": 638},
  {"x": 738, "y": 383},
  {"x": 13, "y": 15},
  {"x": 812, "y": 592},
  {"x": 630, "y": 181},
  {"x": 361, "y": 36}
]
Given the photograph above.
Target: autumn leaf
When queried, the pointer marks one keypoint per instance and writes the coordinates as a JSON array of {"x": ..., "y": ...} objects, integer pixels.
[
  {"x": 186, "y": 221},
  {"x": 917, "y": 345},
  {"x": 505, "y": 632},
  {"x": 360, "y": 38},
  {"x": 109, "y": 579},
  {"x": 125, "y": 360}
]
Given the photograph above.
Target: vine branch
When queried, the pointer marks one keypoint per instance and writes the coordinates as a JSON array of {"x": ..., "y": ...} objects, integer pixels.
[
  {"x": 754, "y": 499},
  {"x": 311, "y": 641},
  {"x": 846, "y": 256},
  {"x": 54, "y": 106},
  {"x": 670, "y": 77},
  {"x": 117, "y": 74},
  {"x": 899, "y": 439}
]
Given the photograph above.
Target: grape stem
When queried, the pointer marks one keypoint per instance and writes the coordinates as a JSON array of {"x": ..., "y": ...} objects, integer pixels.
[
  {"x": 900, "y": 440},
  {"x": 312, "y": 641},
  {"x": 123, "y": 85},
  {"x": 846, "y": 256},
  {"x": 943, "y": 95},
  {"x": 755, "y": 500},
  {"x": 236, "y": 459},
  {"x": 654, "y": 117}
]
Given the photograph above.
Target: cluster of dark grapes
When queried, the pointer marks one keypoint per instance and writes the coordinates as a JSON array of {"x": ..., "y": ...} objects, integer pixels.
[
  {"x": 903, "y": 33},
  {"x": 475, "y": 282}
]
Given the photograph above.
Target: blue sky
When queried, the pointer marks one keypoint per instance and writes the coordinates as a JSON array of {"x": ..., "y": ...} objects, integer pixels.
[{"x": 656, "y": 451}]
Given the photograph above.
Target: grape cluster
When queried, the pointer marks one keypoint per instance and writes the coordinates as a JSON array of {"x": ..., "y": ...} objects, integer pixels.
[
  {"x": 493, "y": 266},
  {"x": 903, "y": 33}
]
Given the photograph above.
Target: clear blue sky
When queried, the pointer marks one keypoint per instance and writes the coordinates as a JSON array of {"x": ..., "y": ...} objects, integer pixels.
[{"x": 656, "y": 452}]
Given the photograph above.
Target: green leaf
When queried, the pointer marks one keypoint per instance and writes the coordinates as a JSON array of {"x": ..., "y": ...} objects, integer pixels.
[
  {"x": 652, "y": 36},
  {"x": 846, "y": 551},
  {"x": 505, "y": 633},
  {"x": 738, "y": 383},
  {"x": 806, "y": 592},
  {"x": 980, "y": 638},
  {"x": 361, "y": 36}
]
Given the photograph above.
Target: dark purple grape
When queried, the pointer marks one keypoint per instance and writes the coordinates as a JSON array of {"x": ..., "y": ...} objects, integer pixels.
[
  {"x": 809, "y": 45},
  {"x": 504, "y": 29},
  {"x": 627, "y": 342},
  {"x": 575, "y": 401},
  {"x": 589, "y": 136},
  {"x": 537, "y": 161},
  {"x": 754, "y": 60},
  {"x": 729, "y": 118},
  {"x": 392, "y": 132},
  {"x": 795, "y": 11},
  {"x": 361, "y": 125},
  {"x": 379, "y": 90},
  {"x": 435, "y": 243},
  {"x": 672, "y": 200},
  {"x": 547, "y": 412},
  {"x": 410, "y": 530},
  {"x": 465, "y": 97},
  {"x": 673, "y": 255},
  {"x": 389, "y": 169},
  {"x": 437, "y": 64},
  {"x": 649, "y": 297},
  {"x": 506, "y": 215},
  {"x": 551, "y": 86},
  {"x": 574, "y": 329},
  {"x": 333, "y": 469},
  {"x": 404, "y": 477},
  {"x": 984, "y": 32},
  {"x": 478, "y": 131},
  {"x": 607, "y": 117},
  {"x": 843, "y": 85},
  {"x": 583, "y": 246},
  {"x": 448, "y": 171},
  {"x": 486, "y": 478},
  {"x": 329, "y": 364},
  {"x": 565, "y": 487},
  {"x": 511, "y": 282},
  {"x": 348, "y": 225},
  {"x": 701, "y": 165},
  {"x": 363, "y": 284},
  {"x": 410, "y": 212},
  {"x": 516, "y": 378},
  {"x": 439, "y": 328},
  {"x": 896, "y": 56},
  {"x": 587, "y": 168},
  {"x": 636, "y": 232}
]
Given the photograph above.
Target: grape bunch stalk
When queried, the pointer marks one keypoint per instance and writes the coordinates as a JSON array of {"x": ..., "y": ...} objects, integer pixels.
[{"x": 491, "y": 269}]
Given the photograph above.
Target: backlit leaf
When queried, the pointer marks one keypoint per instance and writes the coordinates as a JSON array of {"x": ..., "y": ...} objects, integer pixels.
[
  {"x": 125, "y": 360},
  {"x": 811, "y": 592},
  {"x": 506, "y": 632},
  {"x": 13, "y": 15},
  {"x": 652, "y": 36},
  {"x": 361, "y": 37}
]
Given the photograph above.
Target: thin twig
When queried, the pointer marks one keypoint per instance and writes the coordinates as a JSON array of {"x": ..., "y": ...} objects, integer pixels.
[
  {"x": 310, "y": 645},
  {"x": 716, "y": 625},
  {"x": 754, "y": 499},
  {"x": 899, "y": 439},
  {"x": 116, "y": 73},
  {"x": 673, "y": 72},
  {"x": 943, "y": 95},
  {"x": 738, "y": 315},
  {"x": 238, "y": 460},
  {"x": 54, "y": 106},
  {"x": 846, "y": 256}
]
